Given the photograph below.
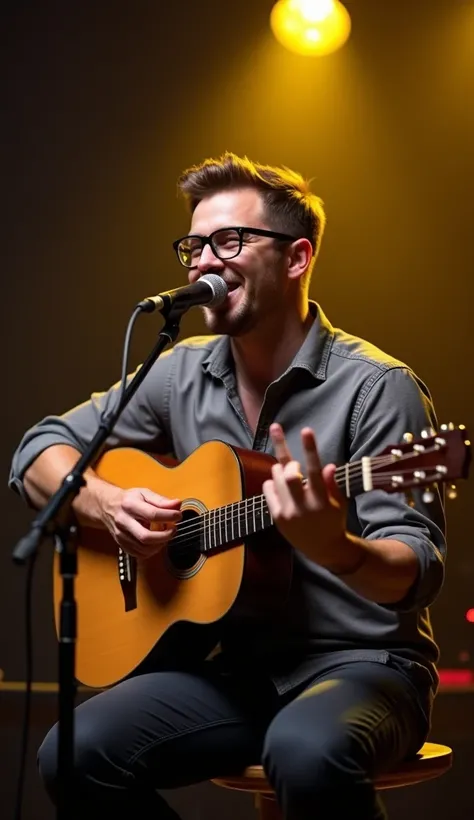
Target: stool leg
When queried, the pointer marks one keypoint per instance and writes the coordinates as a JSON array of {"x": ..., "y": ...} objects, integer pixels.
[{"x": 267, "y": 807}]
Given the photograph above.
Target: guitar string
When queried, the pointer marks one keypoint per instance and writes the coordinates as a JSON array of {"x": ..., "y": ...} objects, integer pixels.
[
  {"x": 200, "y": 525},
  {"x": 223, "y": 519},
  {"x": 188, "y": 530}
]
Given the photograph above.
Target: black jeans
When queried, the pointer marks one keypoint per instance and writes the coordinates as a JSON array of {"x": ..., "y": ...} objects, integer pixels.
[{"x": 320, "y": 746}]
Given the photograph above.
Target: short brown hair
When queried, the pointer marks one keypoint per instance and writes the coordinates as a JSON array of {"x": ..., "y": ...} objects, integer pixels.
[{"x": 289, "y": 204}]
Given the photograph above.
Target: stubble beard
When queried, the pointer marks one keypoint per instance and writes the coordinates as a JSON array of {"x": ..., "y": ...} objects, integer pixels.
[{"x": 235, "y": 322}]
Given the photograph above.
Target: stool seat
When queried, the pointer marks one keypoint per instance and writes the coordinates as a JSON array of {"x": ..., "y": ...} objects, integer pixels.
[{"x": 432, "y": 761}]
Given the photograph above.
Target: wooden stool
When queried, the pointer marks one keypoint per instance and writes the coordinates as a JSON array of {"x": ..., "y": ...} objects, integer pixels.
[{"x": 432, "y": 761}]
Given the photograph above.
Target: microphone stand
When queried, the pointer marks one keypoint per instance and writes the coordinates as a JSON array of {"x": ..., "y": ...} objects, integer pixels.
[{"x": 56, "y": 520}]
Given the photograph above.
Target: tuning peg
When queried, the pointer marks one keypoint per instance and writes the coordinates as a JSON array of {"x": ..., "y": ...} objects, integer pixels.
[
  {"x": 428, "y": 432},
  {"x": 409, "y": 498},
  {"x": 428, "y": 495},
  {"x": 408, "y": 438},
  {"x": 446, "y": 427},
  {"x": 452, "y": 492}
]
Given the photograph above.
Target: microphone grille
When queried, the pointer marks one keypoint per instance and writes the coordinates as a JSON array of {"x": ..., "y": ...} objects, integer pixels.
[{"x": 218, "y": 287}]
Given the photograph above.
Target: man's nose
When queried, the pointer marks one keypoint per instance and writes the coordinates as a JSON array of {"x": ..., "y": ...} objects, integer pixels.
[{"x": 209, "y": 261}]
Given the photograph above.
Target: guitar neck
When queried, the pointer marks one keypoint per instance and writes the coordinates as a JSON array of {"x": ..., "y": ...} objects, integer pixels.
[
  {"x": 413, "y": 463},
  {"x": 234, "y": 522}
]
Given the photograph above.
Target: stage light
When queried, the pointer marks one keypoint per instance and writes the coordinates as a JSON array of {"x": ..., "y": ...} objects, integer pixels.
[
  {"x": 310, "y": 27},
  {"x": 470, "y": 616}
]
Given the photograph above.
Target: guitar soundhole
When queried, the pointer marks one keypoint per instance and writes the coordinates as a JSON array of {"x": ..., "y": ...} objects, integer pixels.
[{"x": 184, "y": 550}]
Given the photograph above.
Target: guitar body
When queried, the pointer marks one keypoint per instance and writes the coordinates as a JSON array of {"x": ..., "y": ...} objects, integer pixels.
[{"x": 129, "y": 610}]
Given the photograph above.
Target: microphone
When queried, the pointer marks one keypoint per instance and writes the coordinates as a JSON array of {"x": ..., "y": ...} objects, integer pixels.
[{"x": 209, "y": 290}]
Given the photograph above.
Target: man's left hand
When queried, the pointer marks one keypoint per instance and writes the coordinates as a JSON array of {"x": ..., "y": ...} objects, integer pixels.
[{"x": 311, "y": 515}]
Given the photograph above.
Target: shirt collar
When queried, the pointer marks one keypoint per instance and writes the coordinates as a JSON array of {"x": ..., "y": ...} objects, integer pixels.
[{"x": 312, "y": 356}]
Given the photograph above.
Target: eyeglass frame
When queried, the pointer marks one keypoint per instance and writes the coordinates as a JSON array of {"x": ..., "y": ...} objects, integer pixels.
[{"x": 207, "y": 240}]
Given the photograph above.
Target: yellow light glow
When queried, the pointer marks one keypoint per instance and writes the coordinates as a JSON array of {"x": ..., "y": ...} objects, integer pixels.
[{"x": 310, "y": 27}]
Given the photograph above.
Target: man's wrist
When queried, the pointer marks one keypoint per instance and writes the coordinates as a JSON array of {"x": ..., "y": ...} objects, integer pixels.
[
  {"x": 351, "y": 556},
  {"x": 97, "y": 502}
]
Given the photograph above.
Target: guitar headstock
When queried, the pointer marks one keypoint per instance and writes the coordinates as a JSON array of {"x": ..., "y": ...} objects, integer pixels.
[{"x": 434, "y": 458}]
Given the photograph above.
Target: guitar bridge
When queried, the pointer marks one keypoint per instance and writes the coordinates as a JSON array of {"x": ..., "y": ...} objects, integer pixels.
[{"x": 127, "y": 571}]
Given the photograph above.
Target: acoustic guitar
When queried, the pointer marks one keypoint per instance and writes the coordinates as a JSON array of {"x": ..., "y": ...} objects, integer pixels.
[{"x": 225, "y": 555}]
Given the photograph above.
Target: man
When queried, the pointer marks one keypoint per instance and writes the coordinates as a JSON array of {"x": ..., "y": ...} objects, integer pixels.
[{"x": 339, "y": 685}]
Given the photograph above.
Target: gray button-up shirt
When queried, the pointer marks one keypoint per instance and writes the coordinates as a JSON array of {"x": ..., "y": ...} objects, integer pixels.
[{"x": 358, "y": 400}]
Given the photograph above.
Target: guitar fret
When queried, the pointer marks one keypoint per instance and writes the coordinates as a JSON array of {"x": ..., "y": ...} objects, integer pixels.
[{"x": 254, "y": 519}]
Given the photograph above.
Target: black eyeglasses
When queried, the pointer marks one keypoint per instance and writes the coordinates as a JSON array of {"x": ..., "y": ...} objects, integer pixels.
[{"x": 226, "y": 243}]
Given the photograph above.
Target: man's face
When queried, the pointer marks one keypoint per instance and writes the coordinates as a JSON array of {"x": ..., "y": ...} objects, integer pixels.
[{"x": 256, "y": 277}]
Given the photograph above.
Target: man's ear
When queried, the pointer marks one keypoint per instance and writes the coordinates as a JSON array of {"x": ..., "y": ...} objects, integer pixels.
[{"x": 300, "y": 254}]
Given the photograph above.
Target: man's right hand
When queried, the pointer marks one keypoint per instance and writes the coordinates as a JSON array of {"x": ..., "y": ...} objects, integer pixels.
[{"x": 141, "y": 521}]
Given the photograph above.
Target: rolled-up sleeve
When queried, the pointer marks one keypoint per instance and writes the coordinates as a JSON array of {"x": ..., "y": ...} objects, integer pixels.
[
  {"x": 397, "y": 402},
  {"x": 144, "y": 423}
]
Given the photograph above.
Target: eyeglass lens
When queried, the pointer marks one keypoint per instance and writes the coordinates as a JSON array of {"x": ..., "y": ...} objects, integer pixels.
[{"x": 225, "y": 244}]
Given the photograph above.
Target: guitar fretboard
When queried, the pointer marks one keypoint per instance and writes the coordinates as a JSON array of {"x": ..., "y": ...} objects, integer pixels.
[{"x": 234, "y": 522}]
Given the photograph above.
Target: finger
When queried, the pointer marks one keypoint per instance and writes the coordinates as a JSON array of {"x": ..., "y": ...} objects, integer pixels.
[
  {"x": 282, "y": 451},
  {"x": 146, "y": 541},
  {"x": 131, "y": 545},
  {"x": 173, "y": 516},
  {"x": 329, "y": 478},
  {"x": 155, "y": 533},
  {"x": 272, "y": 499},
  {"x": 136, "y": 505},
  {"x": 288, "y": 487},
  {"x": 280, "y": 487},
  {"x": 294, "y": 481},
  {"x": 158, "y": 500},
  {"x": 313, "y": 463}
]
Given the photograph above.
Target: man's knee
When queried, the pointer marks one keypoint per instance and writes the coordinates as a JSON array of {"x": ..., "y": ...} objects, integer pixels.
[
  {"x": 310, "y": 760},
  {"x": 92, "y": 761},
  {"x": 318, "y": 772}
]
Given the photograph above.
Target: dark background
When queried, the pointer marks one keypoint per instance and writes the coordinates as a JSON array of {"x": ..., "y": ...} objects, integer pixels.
[{"x": 104, "y": 104}]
